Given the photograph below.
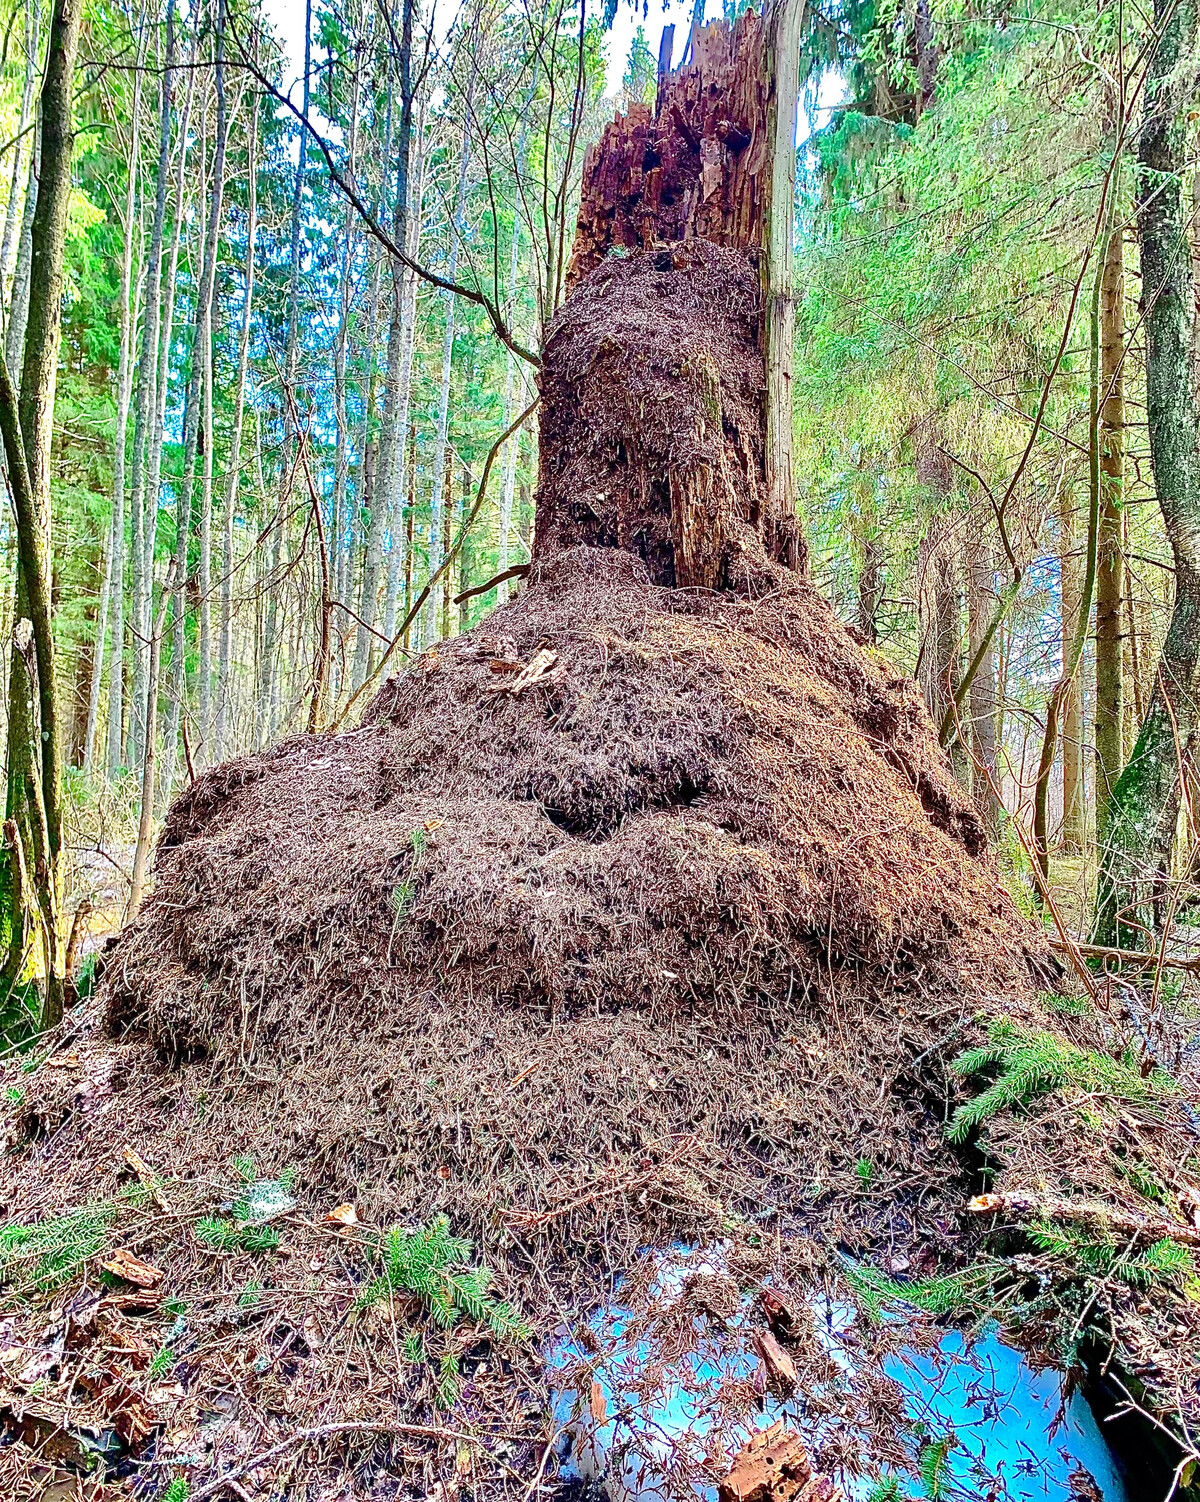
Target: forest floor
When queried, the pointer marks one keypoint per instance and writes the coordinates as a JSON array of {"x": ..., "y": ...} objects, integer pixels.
[{"x": 635, "y": 918}]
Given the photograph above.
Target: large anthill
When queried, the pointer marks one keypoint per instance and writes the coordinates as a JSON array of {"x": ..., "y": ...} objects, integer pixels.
[{"x": 648, "y": 911}]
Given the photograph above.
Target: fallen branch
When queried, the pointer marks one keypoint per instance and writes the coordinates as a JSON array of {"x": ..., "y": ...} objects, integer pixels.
[
  {"x": 1190, "y": 963},
  {"x": 325, "y": 1431},
  {"x": 1025, "y": 1204},
  {"x": 518, "y": 571}
]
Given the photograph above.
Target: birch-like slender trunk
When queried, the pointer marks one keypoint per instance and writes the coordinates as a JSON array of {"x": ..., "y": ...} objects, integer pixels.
[
  {"x": 269, "y": 701},
  {"x": 147, "y": 440},
  {"x": 441, "y": 457},
  {"x": 389, "y": 437},
  {"x": 398, "y": 486},
  {"x": 225, "y": 657},
  {"x": 18, "y": 305},
  {"x": 114, "y": 583},
  {"x": 205, "y": 570},
  {"x": 200, "y": 374},
  {"x": 24, "y": 145},
  {"x": 337, "y": 539},
  {"x": 1110, "y": 564},
  {"x": 509, "y": 478},
  {"x": 1072, "y": 708}
]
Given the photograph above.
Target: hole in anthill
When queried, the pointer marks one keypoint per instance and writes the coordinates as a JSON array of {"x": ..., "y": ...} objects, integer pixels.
[
  {"x": 651, "y": 159},
  {"x": 595, "y": 827}
]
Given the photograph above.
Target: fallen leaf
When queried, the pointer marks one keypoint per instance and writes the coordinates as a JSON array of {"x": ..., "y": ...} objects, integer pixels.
[
  {"x": 147, "y": 1179},
  {"x": 123, "y": 1264},
  {"x": 342, "y": 1215}
]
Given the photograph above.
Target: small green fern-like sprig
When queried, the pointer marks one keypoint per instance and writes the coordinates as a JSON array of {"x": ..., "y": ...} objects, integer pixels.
[
  {"x": 45, "y": 1255},
  {"x": 436, "y": 1267},
  {"x": 949, "y": 1294},
  {"x": 1098, "y": 1256},
  {"x": 228, "y": 1236},
  {"x": 448, "y": 1384},
  {"x": 1032, "y": 1063}
]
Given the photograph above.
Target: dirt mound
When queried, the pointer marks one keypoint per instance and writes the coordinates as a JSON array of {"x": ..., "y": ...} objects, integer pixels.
[
  {"x": 635, "y": 917},
  {"x": 639, "y": 915}
]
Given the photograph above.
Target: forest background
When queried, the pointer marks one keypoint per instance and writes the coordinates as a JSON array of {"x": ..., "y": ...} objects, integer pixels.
[{"x": 294, "y": 440}]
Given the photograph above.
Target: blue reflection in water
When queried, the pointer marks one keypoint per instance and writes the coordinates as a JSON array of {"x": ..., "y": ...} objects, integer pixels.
[
  {"x": 1013, "y": 1437},
  {"x": 1002, "y": 1430}
]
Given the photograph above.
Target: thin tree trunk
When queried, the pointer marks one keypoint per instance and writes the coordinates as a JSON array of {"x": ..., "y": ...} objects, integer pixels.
[
  {"x": 1145, "y": 804},
  {"x": 18, "y": 305},
  {"x": 337, "y": 540},
  {"x": 205, "y": 579},
  {"x": 787, "y": 20},
  {"x": 391, "y": 437},
  {"x": 398, "y": 482},
  {"x": 982, "y": 604},
  {"x": 1072, "y": 739},
  {"x": 441, "y": 457},
  {"x": 1110, "y": 566},
  {"x": 197, "y": 386},
  {"x": 141, "y": 854},
  {"x": 112, "y": 588},
  {"x": 35, "y": 808},
  {"x": 149, "y": 411},
  {"x": 225, "y": 659},
  {"x": 32, "y": 41},
  {"x": 269, "y": 706},
  {"x": 509, "y": 477}
]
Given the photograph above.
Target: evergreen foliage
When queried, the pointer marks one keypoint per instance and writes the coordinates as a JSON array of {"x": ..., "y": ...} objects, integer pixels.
[
  {"x": 1029, "y": 1063},
  {"x": 436, "y": 1267}
]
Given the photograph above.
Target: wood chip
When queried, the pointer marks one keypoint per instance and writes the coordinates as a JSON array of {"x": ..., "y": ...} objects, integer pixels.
[
  {"x": 148, "y": 1180},
  {"x": 774, "y": 1466},
  {"x": 779, "y": 1315},
  {"x": 341, "y": 1215},
  {"x": 780, "y": 1368},
  {"x": 131, "y": 1269},
  {"x": 540, "y": 666}
]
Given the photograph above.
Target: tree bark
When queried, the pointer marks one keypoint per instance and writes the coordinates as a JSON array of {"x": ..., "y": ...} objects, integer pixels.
[
  {"x": 982, "y": 690},
  {"x": 18, "y": 303},
  {"x": 7, "y": 245},
  {"x": 35, "y": 764},
  {"x": 1136, "y": 861},
  {"x": 141, "y": 853},
  {"x": 153, "y": 381},
  {"x": 198, "y": 412},
  {"x": 113, "y": 586},
  {"x": 269, "y": 701},
  {"x": 1072, "y": 833},
  {"x": 786, "y": 21},
  {"x": 233, "y": 475},
  {"x": 337, "y": 539},
  {"x": 400, "y": 453},
  {"x": 1110, "y": 564}
]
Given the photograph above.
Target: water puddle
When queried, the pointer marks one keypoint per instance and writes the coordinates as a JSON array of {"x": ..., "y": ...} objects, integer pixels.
[{"x": 665, "y": 1385}]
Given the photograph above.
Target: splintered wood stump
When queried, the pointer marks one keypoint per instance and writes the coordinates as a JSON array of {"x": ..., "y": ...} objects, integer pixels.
[
  {"x": 696, "y": 166},
  {"x": 665, "y": 423}
]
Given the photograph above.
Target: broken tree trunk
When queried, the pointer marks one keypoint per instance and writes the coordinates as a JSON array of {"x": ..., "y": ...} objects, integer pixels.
[{"x": 666, "y": 389}]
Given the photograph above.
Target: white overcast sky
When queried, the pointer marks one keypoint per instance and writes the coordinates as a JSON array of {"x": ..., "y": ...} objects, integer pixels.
[{"x": 287, "y": 17}]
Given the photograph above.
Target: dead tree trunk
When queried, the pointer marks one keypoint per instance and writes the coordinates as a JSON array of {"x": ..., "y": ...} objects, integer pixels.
[{"x": 666, "y": 413}]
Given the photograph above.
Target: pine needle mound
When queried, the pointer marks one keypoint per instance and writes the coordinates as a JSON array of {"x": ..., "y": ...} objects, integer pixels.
[
  {"x": 636, "y": 948},
  {"x": 706, "y": 803},
  {"x": 640, "y": 915}
]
